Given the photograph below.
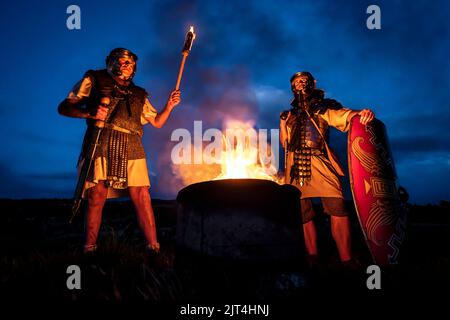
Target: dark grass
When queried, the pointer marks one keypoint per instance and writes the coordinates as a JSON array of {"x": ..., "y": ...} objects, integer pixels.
[{"x": 37, "y": 245}]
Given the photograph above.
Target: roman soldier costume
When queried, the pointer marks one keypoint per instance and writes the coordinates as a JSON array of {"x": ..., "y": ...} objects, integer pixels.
[
  {"x": 119, "y": 156},
  {"x": 112, "y": 162},
  {"x": 307, "y": 125}
]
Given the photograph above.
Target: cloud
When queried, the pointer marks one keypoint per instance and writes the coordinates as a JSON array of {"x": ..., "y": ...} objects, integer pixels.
[
  {"x": 229, "y": 96},
  {"x": 356, "y": 66},
  {"x": 240, "y": 64},
  {"x": 418, "y": 134},
  {"x": 36, "y": 185},
  {"x": 68, "y": 176}
]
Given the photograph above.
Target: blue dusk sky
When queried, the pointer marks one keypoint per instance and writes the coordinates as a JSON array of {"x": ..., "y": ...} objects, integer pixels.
[{"x": 239, "y": 67}]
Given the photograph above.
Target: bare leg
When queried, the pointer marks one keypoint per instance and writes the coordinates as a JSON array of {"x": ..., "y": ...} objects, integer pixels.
[
  {"x": 340, "y": 229},
  {"x": 96, "y": 201},
  {"x": 146, "y": 218},
  {"x": 309, "y": 230}
]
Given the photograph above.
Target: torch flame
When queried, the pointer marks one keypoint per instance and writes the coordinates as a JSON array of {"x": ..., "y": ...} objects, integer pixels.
[{"x": 190, "y": 36}]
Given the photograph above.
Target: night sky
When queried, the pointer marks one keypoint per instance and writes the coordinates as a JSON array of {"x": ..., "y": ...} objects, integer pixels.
[{"x": 240, "y": 65}]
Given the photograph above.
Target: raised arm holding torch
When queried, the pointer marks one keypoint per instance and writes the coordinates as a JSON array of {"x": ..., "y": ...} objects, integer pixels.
[{"x": 190, "y": 36}]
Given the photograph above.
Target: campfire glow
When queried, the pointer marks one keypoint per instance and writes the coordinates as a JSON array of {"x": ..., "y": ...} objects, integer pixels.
[
  {"x": 242, "y": 153},
  {"x": 241, "y": 158}
]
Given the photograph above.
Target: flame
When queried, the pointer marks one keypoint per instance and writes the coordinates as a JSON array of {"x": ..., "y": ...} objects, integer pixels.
[
  {"x": 239, "y": 158},
  {"x": 191, "y": 29}
]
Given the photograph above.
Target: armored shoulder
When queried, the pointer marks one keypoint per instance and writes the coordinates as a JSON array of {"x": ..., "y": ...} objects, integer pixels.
[
  {"x": 332, "y": 104},
  {"x": 284, "y": 115},
  {"x": 322, "y": 106},
  {"x": 90, "y": 74},
  {"x": 141, "y": 91},
  {"x": 96, "y": 76}
]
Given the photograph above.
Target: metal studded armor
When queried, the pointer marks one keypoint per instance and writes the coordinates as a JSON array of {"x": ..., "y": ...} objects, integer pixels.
[
  {"x": 121, "y": 138},
  {"x": 304, "y": 138},
  {"x": 130, "y": 101}
]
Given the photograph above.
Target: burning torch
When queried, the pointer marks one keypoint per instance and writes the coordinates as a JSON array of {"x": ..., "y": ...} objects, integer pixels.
[{"x": 190, "y": 36}]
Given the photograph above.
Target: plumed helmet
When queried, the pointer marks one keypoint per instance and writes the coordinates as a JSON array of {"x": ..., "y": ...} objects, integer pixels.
[{"x": 112, "y": 61}]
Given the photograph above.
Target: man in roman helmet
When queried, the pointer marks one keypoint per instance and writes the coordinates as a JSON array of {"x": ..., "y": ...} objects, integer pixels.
[
  {"x": 304, "y": 135},
  {"x": 120, "y": 167}
]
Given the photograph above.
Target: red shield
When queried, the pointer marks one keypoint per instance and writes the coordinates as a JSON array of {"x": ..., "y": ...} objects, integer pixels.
[{"x": 375, "y": 192}]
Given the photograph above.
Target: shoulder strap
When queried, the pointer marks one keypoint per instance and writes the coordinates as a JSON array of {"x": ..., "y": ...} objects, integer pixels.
[
  {"x": 317, "y": 127},
  {"x": 331, "y": 155}
]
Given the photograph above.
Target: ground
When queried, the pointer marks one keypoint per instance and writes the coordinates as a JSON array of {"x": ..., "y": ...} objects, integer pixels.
[{"x": 37, "y": 245}]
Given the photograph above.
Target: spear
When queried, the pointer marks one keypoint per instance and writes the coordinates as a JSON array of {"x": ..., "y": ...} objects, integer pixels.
[
  {"x": 89, "y": 157},
  {"x": 190, "y": 36}
]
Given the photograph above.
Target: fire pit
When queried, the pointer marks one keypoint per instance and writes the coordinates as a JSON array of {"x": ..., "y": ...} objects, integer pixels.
[{"x": 240, "y": 219}]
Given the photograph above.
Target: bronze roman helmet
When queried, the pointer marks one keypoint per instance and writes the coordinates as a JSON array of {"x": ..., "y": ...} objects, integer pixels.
[
  {"x": 113, "y": 65},
  {"x": 310, "y": 84}
]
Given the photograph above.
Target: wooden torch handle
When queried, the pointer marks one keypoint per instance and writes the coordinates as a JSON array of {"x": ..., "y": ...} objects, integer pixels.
[{"x": 180, "y": 73}]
